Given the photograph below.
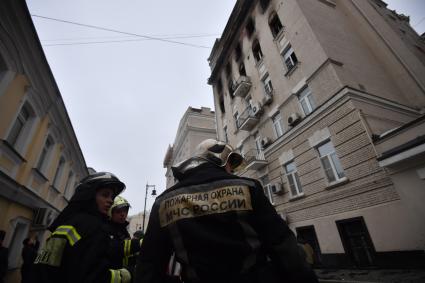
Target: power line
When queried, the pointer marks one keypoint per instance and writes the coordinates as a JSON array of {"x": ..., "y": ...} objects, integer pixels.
[
  {"x": 122, "y": 32},
  {"x": 166, "y": 36},
  {"x": 114, "y": 41},
  {"x": 420, "y": 21}
]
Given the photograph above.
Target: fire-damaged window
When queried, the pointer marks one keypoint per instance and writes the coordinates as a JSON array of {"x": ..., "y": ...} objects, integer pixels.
[
  {"x": 250, "y": 27},
  {"x": 275, "y": 25},
  {"x": 256, "y": 51}
]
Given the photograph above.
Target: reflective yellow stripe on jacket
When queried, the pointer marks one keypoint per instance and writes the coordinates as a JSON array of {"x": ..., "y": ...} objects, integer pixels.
[
  {"x": 115, "y": 276},
  {"x": 69, "y": 232},
  {"x": 127, "y": 249}
]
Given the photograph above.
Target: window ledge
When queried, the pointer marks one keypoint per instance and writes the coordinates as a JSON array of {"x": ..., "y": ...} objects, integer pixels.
[
  {"x": 280, "y": 35},
  {"x": 40, "y": 174},
  {"x": 297, "y": 197},
  {"x": 55, "y": 189},
  {"x": 11, "y": 149},
  {"x": 337, "y": 183},
  {"x": 290, "y": 71}
]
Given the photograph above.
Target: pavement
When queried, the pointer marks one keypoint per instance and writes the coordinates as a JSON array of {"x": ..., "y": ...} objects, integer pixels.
[{"x": 371, "y": 276}]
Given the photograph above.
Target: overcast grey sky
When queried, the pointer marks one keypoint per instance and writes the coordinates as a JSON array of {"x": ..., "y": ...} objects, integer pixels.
[{"x": 125, "y": 99}]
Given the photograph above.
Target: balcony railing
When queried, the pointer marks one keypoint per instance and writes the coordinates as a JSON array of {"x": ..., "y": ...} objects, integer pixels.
[
  {"x": 247, "y": 120},
  {"x": 242, "y": 86},
  {"x": 254, "y": 159}
]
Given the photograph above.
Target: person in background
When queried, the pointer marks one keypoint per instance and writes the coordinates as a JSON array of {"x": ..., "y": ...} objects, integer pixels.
[
  {"x": 123, "y": 248},
  {"x": 29, "y": 254},
  {"x": 307, "y": 250},
  {"x": 3, "y": 257},
  {"x": 221, "y": 227},
  {"x": 77, "y": 250}
]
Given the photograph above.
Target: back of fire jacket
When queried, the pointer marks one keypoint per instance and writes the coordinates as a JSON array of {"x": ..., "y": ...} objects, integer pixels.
[{"x": 222, "y": 229}]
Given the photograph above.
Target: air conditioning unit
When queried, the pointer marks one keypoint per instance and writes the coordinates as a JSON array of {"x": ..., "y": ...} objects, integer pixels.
[
  {"x": 265, "y": 142},
  {"x": 293, "y": 119},
  {"x": 277, "y": 188},
  {"x": 256, "y": 108}
]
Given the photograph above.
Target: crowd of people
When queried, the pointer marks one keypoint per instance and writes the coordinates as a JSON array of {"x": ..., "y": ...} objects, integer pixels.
[{"x": 217, "y": 226}]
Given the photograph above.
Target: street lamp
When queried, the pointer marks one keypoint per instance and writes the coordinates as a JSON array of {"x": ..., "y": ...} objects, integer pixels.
[{"x": 146, "y": 196}]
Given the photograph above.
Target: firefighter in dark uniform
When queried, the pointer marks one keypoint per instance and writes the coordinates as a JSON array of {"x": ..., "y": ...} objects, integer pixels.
[
  {"x": 123, "y": 249},
  {"x": 76, "y": 251},
  {"x": 221, "y": 227}
]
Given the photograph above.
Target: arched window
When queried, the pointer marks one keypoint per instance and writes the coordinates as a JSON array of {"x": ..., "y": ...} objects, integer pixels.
[{"x": 256, "y": 51}]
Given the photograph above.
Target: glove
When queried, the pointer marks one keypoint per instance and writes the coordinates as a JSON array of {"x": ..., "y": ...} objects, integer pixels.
[{"x": 125, "y": 275}]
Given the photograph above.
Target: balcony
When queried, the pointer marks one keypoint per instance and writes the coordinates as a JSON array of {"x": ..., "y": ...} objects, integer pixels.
[
  {"x": 254, "y": 159},
  {"x": 247, "y": 120},
  {"x": 242, "y": 86}
]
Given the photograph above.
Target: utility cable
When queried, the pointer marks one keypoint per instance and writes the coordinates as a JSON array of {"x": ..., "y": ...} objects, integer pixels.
[
  {"x": 115, "y": 41},
  {"x": 122, "y": 32},
  {"x": 166, "y": 36}
]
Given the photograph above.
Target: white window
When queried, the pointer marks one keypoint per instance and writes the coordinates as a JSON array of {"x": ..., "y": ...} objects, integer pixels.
[
  {"x": 44, "y": 156},
  {"x": 330, "y": 162},
  {"x": 268, "y": 87},
  {"x": 293, "y": 180},
  {"x": 307, "y": 101},
  {"x": 267, "y": 188},
  {"x": 59, "y": 173},
  {"x": 290, "y": 58},
  {"x": 277, "y": 125},
  {"x": 18, "y": 127}
]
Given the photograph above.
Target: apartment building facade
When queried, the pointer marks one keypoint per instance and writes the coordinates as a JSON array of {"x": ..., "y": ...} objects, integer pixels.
[
  {"x": 195, "y": 126},
  {"x": 308, "y": 92},
  {"x": 40, "y": 158}
]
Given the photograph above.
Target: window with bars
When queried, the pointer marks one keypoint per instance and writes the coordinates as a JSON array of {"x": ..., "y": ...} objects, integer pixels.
[
  {"x": 18, "y": 127},
  {"x": 293, "y": 179},
  {"x": 330, "y": 162},
  {"x": 307, "y": 101},
  {"x": 256, "y": 51},
  {"x": 275, "y": 25},
  {"x": 289, "y": 58},
  {"x": 277, "y": 125}
]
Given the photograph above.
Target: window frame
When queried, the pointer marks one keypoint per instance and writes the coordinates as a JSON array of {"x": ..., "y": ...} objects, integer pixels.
[
  {"x": 278, "y": 121},
  {"x": 59, "y": 173},
  {"x": 293, "y": 176},
  {"x": 306, "y": 95},
  {"x": 267, "y": 84},
  {"x": 287, "y": 54},
  {"x": 331, "y": 161},
  {"x": 43, "y": 158}
]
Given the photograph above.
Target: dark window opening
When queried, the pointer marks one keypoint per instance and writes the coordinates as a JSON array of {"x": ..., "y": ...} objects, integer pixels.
[
  {"x": 238, "y": 52},
  {"x": 275, "y": 25},
  {"x": 256, "y": 50},
  {"x": 230, "y": 87},
  {"x": 242, "y": 71},
  {"x": 221, "y": 104},
  {"x": 228, "y": 69},
  {"x": 264, "y": 4},
  {"x": 250, "y": 27}
]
